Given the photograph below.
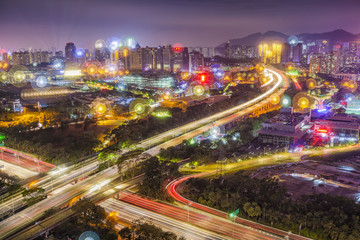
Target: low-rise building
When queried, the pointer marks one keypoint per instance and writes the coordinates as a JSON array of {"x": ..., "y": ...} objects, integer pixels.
[
  {"x": 285, "y": 128},
  {"x": 337, "y": 129}
]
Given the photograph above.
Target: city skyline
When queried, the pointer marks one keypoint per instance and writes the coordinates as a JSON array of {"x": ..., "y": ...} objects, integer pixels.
[{"x": 205, "y": 22}]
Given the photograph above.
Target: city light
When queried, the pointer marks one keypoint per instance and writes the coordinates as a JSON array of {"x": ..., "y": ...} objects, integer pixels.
[
  {"x": 275, "y": 99},
  {"x": 80, "y": 53},
  {"x": 100, "y": 44},
  {"x": 161, "y": 113},
  {"x": 285, "y": 101},
  {"x": 303, "y": 102},
  {"x": 72, "y": 73},
  {"x": 199, "y": 90}
]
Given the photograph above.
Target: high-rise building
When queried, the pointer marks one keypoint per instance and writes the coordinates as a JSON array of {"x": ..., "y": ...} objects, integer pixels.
[
  {"x": 39, "y": 57},
  {"x": 148, "y": 58},
  {"x": 333, "y": 63},
  {"x": 21, "y": 58},
  {"x": 180, "y": 60},
  {"x": 136, "y": 59},
  {"x": 270, "y": 53},
  {"x": 196, "y": 61},
  {"x": 323, "y": 46},
  {"x": 159, "y": 59},
  {"x": 70, "y": 52},
  {"x": 59, "y": 54},
  {"x": 166, "y": 53},
  {"x": 286, "y": 52},
  {"x": 297, "y": 53},
  {"x": 243, "y": 51}
]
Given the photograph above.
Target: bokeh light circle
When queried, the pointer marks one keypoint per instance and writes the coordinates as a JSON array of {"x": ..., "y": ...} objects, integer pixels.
[
  {"x": 199, "y": 90},
  {"x": 293, "y": 41},
  {"x": 92, "y": 69},
  {"x": 4, "y": 65},
  {"x": 219, "y": 74},
  {"x": 185, "y": 75},
  {"x": 139, "y": 106},
  {"x": 41, "y": 81},
  {"x": 100, "y": 44},
  {"x": 79, "y": 53},
  {"x": 274, "y": 99},
  {"x": 58, "y": 64},
  {"x": 4, "y": 77},
  {"x": 303, "y": 102},
  {"x": 311, "y": 83},
  {"x": 167, "y": 94},
  {"x": 285, "y": 101}
]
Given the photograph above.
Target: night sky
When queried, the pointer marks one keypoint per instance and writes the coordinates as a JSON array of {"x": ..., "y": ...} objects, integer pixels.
[{"x": 51, "y": 23}]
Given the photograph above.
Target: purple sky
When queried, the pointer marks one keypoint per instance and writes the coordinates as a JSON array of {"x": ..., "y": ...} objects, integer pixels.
[{"x": 51, "y": 23}]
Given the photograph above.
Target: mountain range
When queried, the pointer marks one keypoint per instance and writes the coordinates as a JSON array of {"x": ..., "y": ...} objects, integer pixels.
[{"x": 338, "y": 35}]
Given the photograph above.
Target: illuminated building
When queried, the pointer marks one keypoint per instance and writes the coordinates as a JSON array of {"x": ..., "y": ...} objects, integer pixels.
[
  {"x": 323, "y": 46},
  {"x": 166, "y": 55},
  {"x": 317, "y": 64},
  {"x": 297, "y": 52},
  {"x": 59, "y": 54},
  {"x": 21, "y": 58},
  {"x": 270, "y": 53},
  {"x": 286, "y": 52},
  {"x": 159, "y": 59},
  {"x": 149, "y": 81},
  {"x": 354, "y": 76},
  {"x": 339, "y": 128},
  {"x": 149, "y": 60},
  {"x": 70, "y": 52},
  {"x": 196, "y": 61},
  {"x": 39, "y": 57},
  {"x": 243, "y": 51},
  {"x": 333, "y": 63},
  {"x": 136, "y": 59},
  {"x": 180, "y": 60},
  {"x": 285, "y": 128},
  {"x": 102, "y": 54}
]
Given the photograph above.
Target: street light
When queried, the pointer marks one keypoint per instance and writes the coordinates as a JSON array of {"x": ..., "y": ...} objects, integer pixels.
[{"x": 232, "y": 217}]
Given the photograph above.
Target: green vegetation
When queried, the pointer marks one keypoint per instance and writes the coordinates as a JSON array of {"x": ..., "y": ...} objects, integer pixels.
[
  {"x": 51, "y": 146},
  {"x": 8, "y": 183},
  {"x": 88, "y": 217},
  {"x": 143, "y": 231},
  {"x": 140, "y": 129},
  {"x": 318, "y": 216},
  {"x": 157, "y": 173},
  {"x": 33, "y": 195},
  {"x": 210, "y": 151}
]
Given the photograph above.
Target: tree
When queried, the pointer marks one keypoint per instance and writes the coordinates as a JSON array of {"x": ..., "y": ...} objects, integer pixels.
[
  {"x": 252, "y": 209},
  {"x": 89, "y": 213},
  {"x": 33, "y": 195}
]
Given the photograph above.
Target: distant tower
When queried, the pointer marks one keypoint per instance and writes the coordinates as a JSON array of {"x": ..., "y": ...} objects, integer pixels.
[
  {"x": 70, "y": 52},
  {"x": 227, "y": 49}
]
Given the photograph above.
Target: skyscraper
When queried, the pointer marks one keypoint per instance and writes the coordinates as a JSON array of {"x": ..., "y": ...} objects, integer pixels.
[
  {"x": 196, "y": 61},
  {"x": 70, "y": 52},
  {"x": 136, "y": 59},
  {"x": 297, "y": 53},
  {"x": 285, "y": 54}
]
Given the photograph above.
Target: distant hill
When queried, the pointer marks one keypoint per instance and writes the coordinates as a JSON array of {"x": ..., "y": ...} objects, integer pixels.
[{"x": 270, "y": 36}]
